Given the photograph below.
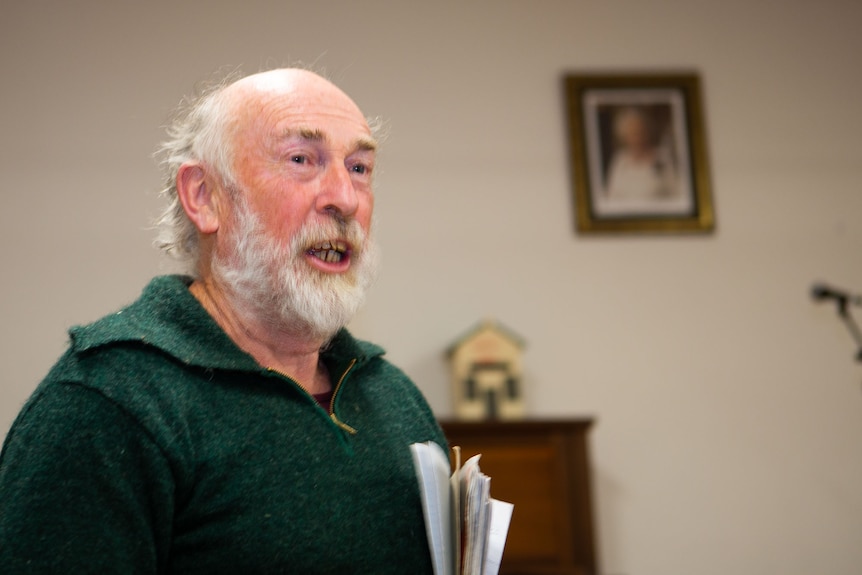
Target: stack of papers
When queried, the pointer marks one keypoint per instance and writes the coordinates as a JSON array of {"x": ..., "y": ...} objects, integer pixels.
[{"x": 466, "y": 527}]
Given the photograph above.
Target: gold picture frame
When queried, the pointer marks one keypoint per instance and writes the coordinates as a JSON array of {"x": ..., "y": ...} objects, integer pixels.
[{"x": 638, "y": 153}]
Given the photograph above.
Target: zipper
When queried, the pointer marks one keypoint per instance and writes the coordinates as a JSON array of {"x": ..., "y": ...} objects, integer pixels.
[
  {"x": 332, "y": 416},
  {"x": 340, "y": 424}
]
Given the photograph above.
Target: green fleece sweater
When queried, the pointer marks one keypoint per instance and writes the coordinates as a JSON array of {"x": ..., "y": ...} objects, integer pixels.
[{"x": 155, "y": 445}]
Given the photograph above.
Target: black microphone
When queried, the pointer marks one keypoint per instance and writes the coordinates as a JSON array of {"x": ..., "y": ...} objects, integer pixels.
[{"x": 822, "y": 292}]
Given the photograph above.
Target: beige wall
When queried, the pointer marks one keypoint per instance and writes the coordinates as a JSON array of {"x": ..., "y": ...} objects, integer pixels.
[{"x": 728, "y": 405}]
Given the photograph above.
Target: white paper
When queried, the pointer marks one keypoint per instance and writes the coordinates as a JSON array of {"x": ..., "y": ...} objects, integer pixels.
[
  {"x": 501, "y": 516},
  {"x": 432, "y": 471},
  {"x": 462, "y": 499}
]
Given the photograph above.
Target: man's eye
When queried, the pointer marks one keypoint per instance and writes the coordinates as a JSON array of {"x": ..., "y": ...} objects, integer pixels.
[
  {"x": 299, "y": 159},
  {"x": 360, "y": 169}
]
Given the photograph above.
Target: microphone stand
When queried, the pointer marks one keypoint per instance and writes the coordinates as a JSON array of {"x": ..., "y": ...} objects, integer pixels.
[
  {"x": 846, "y": 317},
  {"x": 842, "y": 299}
]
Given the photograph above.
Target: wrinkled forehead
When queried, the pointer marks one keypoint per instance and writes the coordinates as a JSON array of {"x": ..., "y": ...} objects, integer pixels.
[{"x": 270, "y": 107}]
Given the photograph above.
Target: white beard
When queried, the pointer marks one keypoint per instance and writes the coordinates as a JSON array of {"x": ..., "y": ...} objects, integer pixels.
[{"x": 272, "y": 283}]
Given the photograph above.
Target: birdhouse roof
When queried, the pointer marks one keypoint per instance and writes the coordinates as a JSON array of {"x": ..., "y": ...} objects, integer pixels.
[{"x": 488, "y": 324}]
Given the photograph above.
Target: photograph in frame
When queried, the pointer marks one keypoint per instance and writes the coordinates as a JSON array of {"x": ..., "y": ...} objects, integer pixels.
[{"x": 638, "y": 153}]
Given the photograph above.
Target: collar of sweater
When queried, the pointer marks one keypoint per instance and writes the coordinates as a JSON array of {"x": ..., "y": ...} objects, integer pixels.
[{"x": 167, "y": 316}]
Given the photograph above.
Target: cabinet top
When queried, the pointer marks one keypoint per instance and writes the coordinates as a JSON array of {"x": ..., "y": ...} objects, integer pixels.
[{"x": 521, "y": 424}]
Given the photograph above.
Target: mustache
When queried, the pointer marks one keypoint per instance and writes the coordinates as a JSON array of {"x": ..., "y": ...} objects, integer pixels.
[{"x": 334, "y": 230}]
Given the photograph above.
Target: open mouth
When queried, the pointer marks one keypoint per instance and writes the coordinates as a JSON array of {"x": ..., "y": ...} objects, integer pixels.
[{"x": 329, "y": 251}]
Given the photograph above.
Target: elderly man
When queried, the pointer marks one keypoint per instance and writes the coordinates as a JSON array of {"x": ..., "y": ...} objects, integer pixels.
[{"x": 226, "y": 422}]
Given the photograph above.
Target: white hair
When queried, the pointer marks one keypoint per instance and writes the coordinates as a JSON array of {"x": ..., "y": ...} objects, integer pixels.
[{"x": 198, "y": 133}]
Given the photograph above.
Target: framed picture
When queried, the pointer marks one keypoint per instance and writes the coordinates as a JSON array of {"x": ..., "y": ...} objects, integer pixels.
[{"x": 638, "y": 153}]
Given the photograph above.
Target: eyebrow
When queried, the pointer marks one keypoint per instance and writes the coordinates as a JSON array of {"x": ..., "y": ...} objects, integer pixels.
[{"x": 363, "y": 144}]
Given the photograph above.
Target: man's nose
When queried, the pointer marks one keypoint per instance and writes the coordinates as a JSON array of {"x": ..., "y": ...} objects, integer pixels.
[{"x": 337, "y": 192}]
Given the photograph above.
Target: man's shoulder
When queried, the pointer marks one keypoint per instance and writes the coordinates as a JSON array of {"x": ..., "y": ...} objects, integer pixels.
[
  {"x": 166, "y": 321},
  {"x": 92, "y": 345},
  {"x": 135, "y": 321},
  {"x": 147, "y": 351}
]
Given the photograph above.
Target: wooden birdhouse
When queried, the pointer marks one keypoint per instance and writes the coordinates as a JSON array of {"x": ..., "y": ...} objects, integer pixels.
[{"x": 487, "y": 373}]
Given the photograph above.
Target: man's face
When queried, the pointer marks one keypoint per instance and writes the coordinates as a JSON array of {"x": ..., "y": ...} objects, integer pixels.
[
  {"x": 304, "y": 155},
  {"x": 303, "y": 167}
]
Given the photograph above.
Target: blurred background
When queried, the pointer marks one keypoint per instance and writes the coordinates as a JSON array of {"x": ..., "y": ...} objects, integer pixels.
[{"x": 727, "y": 404}]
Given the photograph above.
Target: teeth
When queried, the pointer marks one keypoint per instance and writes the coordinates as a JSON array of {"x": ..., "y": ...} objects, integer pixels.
[
  {"x": 330, "y": 245},
  {"x": 332, "y": 256},
  {"x": 328, "y": 251}
]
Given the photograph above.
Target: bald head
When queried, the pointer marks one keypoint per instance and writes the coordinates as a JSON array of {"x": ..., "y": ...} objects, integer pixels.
[{"x": 286, "y": 82}]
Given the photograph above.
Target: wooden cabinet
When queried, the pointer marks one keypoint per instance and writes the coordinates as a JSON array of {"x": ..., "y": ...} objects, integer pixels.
[{"x": 543, "y": 468}]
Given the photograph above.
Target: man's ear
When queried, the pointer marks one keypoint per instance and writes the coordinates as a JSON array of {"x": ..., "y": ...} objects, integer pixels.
[{"x": 196, "y": 191}]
